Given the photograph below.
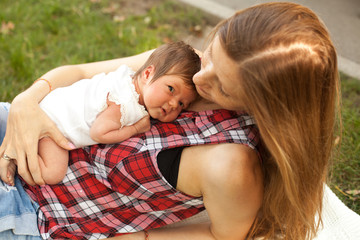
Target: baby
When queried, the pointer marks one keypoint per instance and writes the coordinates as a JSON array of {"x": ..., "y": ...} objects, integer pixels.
[{"x": 112, "y": 107}]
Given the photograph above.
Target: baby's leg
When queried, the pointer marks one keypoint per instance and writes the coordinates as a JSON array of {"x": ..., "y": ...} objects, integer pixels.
[{"x": 53, "y": 161}]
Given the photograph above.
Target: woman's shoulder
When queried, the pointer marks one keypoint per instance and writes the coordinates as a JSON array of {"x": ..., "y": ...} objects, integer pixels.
[
  {"x": 232, "y": 187},
  {"x": 223, "y": 165},
  {"x": 206, "y": 167},
  {"x": 231, "y": 164}
]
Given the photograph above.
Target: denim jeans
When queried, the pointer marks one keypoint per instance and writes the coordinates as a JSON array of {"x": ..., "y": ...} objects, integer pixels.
[
  {"x": 18, "y": 218},
  {"x": 4, "y": 109}
]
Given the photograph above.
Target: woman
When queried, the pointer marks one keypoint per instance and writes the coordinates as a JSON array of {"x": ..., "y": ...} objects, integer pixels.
[{"x": 275, "y": 61}]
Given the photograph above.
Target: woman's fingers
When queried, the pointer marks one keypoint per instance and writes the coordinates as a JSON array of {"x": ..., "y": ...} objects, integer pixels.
[
  {"x": 27, "y": 123},
  {"x": 24, "y": 127},
  {"x": 19, "y": 140},
  {"x": 55, "y": 134},
  {"x": 28, "y": 164},
  {"x": 26, "y": 138},
  {"x": 6, "y": 156},
  {"x": 4, "y": 164}
]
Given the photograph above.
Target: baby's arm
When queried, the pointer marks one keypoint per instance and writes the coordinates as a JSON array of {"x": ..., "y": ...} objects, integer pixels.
[{"x": 107, "y": 127}]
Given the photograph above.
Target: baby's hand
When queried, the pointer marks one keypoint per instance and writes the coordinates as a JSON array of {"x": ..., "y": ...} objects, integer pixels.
[{"x": 143, "y": 125}]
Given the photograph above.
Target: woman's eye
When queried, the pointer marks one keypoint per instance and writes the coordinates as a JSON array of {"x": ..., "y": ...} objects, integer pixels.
[
  {"x": 181, "y": 104},
  {"x": 223, "y": 92},
  {"x": 171, "y": 89}
]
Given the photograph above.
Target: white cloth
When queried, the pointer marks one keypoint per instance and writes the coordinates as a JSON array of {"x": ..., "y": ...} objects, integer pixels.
[
  {"x": 75, "y": 108},
  {"x": 339, "y": 222}
]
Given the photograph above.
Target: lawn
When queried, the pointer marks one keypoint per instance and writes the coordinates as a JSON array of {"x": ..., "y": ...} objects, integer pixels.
[
  {"x": 345, "y": 171},
  {"x": 38, "y": 35}
]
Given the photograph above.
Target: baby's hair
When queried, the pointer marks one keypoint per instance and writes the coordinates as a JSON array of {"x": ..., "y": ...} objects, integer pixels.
[{"x": 175, "y": 58}]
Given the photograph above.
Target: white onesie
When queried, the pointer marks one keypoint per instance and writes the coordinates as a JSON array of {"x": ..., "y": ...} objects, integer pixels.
[{"x": 75, "y": 108}]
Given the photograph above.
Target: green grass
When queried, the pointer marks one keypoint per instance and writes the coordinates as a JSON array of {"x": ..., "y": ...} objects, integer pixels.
[
  {"x": 50, "y": 33},
  {"x": 345, "y": 172}
]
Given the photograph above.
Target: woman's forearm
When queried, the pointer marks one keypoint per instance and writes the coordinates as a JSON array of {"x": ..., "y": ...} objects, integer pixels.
[
  {"x": 193, "y": 231},
  {"x": 68, "y": 74},
  {"x": 58, "y": 77}
]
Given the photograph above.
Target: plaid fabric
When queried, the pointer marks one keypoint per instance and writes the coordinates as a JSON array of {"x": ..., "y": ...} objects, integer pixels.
[{"x": 117, "y": 189}]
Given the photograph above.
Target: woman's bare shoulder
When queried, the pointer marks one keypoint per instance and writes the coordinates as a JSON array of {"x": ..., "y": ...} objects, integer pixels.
[
  {"x": 231, "y": 164},
  {"x": 228, "y": 165},
  {"x": 232, "y": 189}
]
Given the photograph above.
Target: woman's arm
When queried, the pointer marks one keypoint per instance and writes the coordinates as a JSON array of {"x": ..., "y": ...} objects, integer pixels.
[
  {"x": 232, "y": 190},
  {"x": 68, "y": 74},
  {"x": 27, "y": 123},
  {"x": 194, "y": 231},
  {"x": 229, "y": 178}
]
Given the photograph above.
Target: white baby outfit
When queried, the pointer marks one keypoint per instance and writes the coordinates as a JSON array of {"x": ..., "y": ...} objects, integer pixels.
[{"x": 75, "y": 108}]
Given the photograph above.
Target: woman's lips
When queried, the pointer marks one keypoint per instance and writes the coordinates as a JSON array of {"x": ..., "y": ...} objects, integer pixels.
[
  {"x": 202, "y": 92},
  {"x": 199, "y": 89}
]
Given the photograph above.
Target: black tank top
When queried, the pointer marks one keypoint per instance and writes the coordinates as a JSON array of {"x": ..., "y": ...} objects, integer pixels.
[{"x": 168, "y": 162}]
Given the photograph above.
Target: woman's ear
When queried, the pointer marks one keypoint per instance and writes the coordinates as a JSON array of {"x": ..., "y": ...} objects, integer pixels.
[{"x": 148, "y": 73}]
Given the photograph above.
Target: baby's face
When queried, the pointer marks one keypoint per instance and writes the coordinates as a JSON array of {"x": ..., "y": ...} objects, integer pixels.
[{"x": 166, "y": 97}]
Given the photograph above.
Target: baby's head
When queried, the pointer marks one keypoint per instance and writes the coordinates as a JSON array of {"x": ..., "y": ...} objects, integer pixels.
[{"x": 165, "y": 80}]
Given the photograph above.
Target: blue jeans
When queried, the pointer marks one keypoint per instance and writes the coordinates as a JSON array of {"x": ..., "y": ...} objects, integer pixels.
[
  {"x": 18, "y": 218},
  {"x": 4, "y": 110}
]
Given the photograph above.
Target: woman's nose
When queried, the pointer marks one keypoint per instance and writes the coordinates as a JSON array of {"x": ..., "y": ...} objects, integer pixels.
[
  {"x": 196, "y": 78},
  {"x": 202, "y": 77}
]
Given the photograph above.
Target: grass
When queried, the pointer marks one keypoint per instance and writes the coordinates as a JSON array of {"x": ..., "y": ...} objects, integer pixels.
[
  {"x": 345, "y": 172},
  {"x": 38, "y": 35}
]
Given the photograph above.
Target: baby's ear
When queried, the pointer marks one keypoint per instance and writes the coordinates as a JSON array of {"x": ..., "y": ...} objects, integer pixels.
[{"x": 148, "y": 73}]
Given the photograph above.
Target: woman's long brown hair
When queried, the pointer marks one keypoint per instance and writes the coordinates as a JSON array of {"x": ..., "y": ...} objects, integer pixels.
[{"x": 289, "y": 80}]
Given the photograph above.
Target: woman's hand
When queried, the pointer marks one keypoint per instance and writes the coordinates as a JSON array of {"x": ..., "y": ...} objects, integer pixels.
[{"x": 27, "y": 123}]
